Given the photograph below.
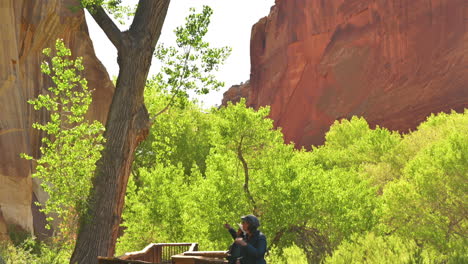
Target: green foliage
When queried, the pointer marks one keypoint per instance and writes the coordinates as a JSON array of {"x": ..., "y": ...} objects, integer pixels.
[
  {"x": 113, "y": 7},
  {"x": 196, "y": 190},
  {"x": 71, "y": 144},
  {"x": 15, "y": 255},
  {"x": 189, "y": 65},
  {"x": 120, "y": 12},
  {"x": 294, "y": 254},
  {"x": 236, "y": 130},
  {"x": 370, "y": 248},
  {"x": 180, "y": 136},
  {"x": 31, "y": 250},
  {"x": 150, "y": 216},
  {"x": 352, "y": 144},
  {"x": 430, "y": 132},
  {"x": 241, "y": 128},
  {"x": 330, "y": 197},
  {"x": 278, "y": 176},
  {"x": 428, "y": 203},
  {"x": 17, "y": 234},
  {"x": 289, "y": 255},
  {"x": 341, "y": 199}
]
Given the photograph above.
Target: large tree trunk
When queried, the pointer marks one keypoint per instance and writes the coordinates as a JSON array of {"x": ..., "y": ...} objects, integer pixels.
[{"x": 127, "y": 125}]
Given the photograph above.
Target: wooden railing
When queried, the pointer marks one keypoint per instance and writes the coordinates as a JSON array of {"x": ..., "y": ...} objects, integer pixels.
[
  {"x": 168, "y": 253},
  {"x": 200, "y": 257},
  {"x": 160, "y": 253}
]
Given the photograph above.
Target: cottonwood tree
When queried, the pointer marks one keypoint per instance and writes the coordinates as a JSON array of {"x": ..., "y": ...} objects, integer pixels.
[
  {"x": 127, "y": 125},
  {"x": 188, "y": 66}
]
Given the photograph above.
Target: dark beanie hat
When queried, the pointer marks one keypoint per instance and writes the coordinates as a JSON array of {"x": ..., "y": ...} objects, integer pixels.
[{"x": 252, "y": 220}]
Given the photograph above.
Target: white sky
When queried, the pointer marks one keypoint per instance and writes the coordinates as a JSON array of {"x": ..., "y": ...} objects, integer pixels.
[{"x": 231, "y": 25}]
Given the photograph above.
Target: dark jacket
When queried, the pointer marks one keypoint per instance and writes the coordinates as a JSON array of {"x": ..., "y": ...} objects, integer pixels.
[
  {"x": 254, "y": 252},
  {"x": 234, "y": 251},
  {"x": 234, "y": 233}
]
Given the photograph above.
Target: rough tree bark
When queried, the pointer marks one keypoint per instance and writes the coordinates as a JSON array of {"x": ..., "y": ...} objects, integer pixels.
[{"x": 127, "y": 125}]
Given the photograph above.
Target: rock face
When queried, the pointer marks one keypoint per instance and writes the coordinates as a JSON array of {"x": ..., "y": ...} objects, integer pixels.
[
  {"x": 392, "y": 62},
  {"x": 3, "y": 229},
  {"x": 236, "y": 92},
  {"x": 28, "y": 26}
]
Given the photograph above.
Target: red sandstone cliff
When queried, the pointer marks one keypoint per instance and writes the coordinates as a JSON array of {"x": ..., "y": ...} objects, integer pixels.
[
  {"x": 28, "y": 26},
  {"x": 393, "y": 62},
  {"x": 236, "y": 92}
]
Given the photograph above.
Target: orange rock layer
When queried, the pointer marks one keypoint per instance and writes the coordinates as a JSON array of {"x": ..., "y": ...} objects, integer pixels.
[{"x": 392, "y": 62}]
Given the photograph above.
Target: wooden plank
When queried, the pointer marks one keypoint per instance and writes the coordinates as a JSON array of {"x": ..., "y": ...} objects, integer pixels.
[
  {"x": 110, "y": 260},
  {"x": 181, "y": 259},
  {"x": 212, "y": 254}
]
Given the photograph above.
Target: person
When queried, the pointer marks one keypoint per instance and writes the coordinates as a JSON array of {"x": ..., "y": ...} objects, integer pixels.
[
  {"x": 253, "y": 246},
  {"x": 235, "y": 234},
  {"x": 234, "y": 252}
]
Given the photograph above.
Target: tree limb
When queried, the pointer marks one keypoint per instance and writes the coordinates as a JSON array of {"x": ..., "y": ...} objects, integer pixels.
[
  {"x": 106, "y": 24},
  {"x": 171, "y": 101},
  {"x": 246, "y": 176},
  {"x": 143, "y": 24}
]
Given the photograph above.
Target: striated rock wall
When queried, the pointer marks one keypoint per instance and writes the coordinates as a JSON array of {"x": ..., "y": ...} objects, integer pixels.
[
  {"x": 29, "y": 26},
  {"x": 393, "y": 62}
]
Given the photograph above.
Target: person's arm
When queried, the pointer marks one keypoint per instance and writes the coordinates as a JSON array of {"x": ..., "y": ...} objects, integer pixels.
[
  {"x": 258, "y": 252},
  {"x": 231, "y": 230}
]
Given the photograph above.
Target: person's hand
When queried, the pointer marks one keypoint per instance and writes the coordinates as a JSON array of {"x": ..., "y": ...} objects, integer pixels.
[
  {"x": 240, "y": 241},
  {"x": 227, "y": 226}
]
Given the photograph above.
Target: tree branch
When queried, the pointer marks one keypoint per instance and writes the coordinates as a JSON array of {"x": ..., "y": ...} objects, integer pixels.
[
  {"x": 314, "y": 244},
  {"x": 176, "y": 90},
  {"x": 106, "y": 24},
  {"x": 148, "y": 17},
  {"x": 166, "y": 107},
  {"x": 246, "y": 176}
]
